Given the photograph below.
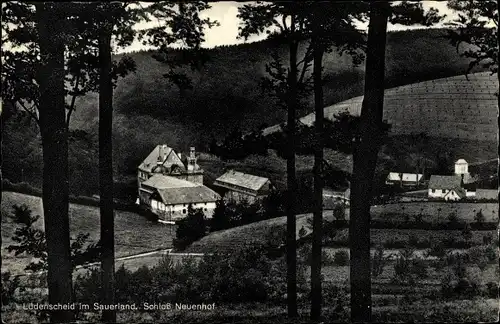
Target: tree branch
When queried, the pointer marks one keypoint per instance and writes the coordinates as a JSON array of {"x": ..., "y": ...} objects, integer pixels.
[
  {"x": 29, "y": 111},
  {"x": 73, "y": 99}
]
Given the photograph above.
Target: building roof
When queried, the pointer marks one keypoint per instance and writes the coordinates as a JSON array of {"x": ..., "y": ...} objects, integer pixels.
[
  {"x": 187, "y": 195},
  {"x": 461, "y": 161},
  {"x": 407, "y": 177},
  {"x": 173, "y": 191},
  {"x": 160, "y": 181},
  {"x": 486, "y": 194},
  {"x": 459, "y": 191},
  {"x": 242, "y": 180},
  {"x": 169, "y": 158},
  {"x": 445, "y": 182}
]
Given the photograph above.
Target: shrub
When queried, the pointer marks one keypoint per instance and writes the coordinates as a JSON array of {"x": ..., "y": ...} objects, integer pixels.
[
  {"x": 341, "y": 258},
  {"x": 487, "y": 239},
  {"x": 491, "y": 289},
  {"x": 437, "y": 250},
  {"x": 479, "y": 217},
  {"x": 190, "y": 229},
  {"x": 453, "y": 219},
  {"x": 409, "y": 268},
  {"x": 9, "y": 286},
  {"x": 339, "y": 212},
  {"x": 467, "y": 233},
  {"x": 463, "y": 284},
  {"x": 336, "y": 297},
  {"x": 378, "y": 262}
]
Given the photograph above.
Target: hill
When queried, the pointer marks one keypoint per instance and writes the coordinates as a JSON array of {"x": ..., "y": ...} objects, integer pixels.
[
  {"x": 457, "y": 107},
  {"x": 225, "y": 94}
]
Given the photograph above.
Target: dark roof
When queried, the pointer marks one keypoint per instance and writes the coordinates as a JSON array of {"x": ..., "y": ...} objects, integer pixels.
[
  {"x": 242, "y": 180},
  {"x": 445, "y": 182},
  {"x": 169, "y": 157},
  {"x": 187, "y": 195},
  {"x": 486, "y": 194},
  {"x": 160, "y": 181},
  {"x": 460, "y": 192}
]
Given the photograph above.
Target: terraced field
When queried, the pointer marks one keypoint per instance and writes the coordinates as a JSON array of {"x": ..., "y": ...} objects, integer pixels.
[{"x": 454, "y": 107}]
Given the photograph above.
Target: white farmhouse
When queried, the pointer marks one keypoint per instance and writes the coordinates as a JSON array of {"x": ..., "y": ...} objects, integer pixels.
[
  {"x": 446, "y": 187},
  {"x": 404, "y": 179},
  {"x": 169, "y": 197}
]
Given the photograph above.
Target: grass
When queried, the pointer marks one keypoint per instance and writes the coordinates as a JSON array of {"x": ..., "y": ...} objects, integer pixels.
[
  {"x": 436, "y": 211},
  {"x": 381, "y": 236},
  {"x": 259, "y": 232},
  {"x": 133, "y": 233}
]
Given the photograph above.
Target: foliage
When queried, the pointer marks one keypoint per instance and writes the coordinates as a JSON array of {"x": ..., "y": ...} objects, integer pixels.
[
  {"x": 479, "y": 217},
  {"x": 461, "y": 283},
  {"x": 476, "y": 25},
  {"x": 243, "y": 277},
  {"x": 341, "y": 258},
  {"x": 378, "y": 262},
  {"x": 409, "y": 268},
  {"x": 9, "y": 286},
  {"x": 339, "y": 212},
  {"x": 453, "y": 218},
  {"x": 190, "y": 229},
  {"x": 31, "y": 240}
]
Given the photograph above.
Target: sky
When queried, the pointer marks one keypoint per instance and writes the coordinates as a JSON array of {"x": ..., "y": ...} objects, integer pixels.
[{"x": 225, "y": 13}]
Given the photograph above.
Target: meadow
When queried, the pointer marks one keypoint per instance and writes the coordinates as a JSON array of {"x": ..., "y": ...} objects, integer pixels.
[{"x": 134, "y": 234}]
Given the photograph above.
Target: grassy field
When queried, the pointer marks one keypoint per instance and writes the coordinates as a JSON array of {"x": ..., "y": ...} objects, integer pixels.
[
  {"x": 133, "y": 233},
  {"x": 260, "y": 231},
  {"x": 437, "y": 212}
]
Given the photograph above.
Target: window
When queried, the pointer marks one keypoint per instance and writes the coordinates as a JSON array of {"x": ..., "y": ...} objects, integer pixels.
[
  {"x": 184, "y": 211},
  {"x": 205, "y": 209}
]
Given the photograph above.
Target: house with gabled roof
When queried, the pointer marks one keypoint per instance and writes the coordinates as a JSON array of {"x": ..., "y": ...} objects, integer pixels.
[
  {"x": 238, "y": 186},
  {"x": 404, "y": 179},
  {"x": 447, "y": 187},
  {"x": 165, "y": 160},
  {"x": 170, "y": 197}
]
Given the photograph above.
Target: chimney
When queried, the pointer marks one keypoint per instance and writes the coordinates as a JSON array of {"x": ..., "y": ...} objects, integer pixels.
[
  {"x": 165, "y": 147},
  {"x": 160, "y": 154},
  {"x": 191, "y": 160}
]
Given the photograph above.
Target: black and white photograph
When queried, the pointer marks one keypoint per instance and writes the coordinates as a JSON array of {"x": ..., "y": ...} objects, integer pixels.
[{"x": 250, "y": 161}]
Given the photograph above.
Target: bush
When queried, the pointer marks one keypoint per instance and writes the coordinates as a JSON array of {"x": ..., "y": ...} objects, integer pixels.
[
  {"x": 244, "y": 277},
  {"x": 409, "y": 268},
  {"x": 479, "y": 217},
  {"x": 341, "y": 258},
  {"x": 9, "y": 286},
  {"x": 378, "y": 262},
  {"x": 336, "y": 297},
  {"x": 453, "y": 219},
  {"x": 491, "y": 290},
  {"x": 339, "y": 212},
  {"x": 462, "y": 284},
  {"x": 190, "y": 229}
]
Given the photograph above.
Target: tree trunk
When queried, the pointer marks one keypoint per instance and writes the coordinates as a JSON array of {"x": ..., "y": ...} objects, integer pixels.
[
  {"x": 106, "y": 173},
  {"x": 317, "y": 234},
  {"x": 365, "y": 153},
  {"x": 291, "y": 226},
  {"x": 52, "y": 117}
]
